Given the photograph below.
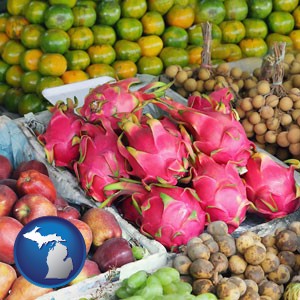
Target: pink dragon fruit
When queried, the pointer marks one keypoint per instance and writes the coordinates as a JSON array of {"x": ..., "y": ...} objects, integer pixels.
[
  {"x": 271, "y": 186},
  {"x": 217, "y": 134},
  {"x": 221, "y": 191},
  {"x": 171, "y": 215},
  {"x": 62, "y": 136},
  {"x": 156, "y": 150},
  {"x": 116, "y": 100},
  {"x": 100, "y": 162}
]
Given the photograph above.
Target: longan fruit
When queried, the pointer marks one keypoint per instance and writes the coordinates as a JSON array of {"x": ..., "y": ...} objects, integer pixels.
[
  {"x": 294, "y": 149},
  {"x": 190, "y": 85},
  {"x": 298, "y": 120},
  {"x": 263, "y": 87},
  {"x": 272, "y": 100},
  {"x": 246, "y": 104},
  {"x": 200, "y": 86},
  {"x": 260, "y": 138},
  {"x": 236, "y": 72},
  {"x": 196, "y": 93},
  {"x": 223, "y": 68},
  {"x": 235, "y": 87},
  {"x": 252, "y": 92},
  {"x": 295, "y": 113},
  {"x": 258, "y": 101},
  {"x": 249, "y": 83},
  {"x": 266, "y": 112},
  {"x": 209, "y": 85},
  {"x": 203, "y": 74},
  {"x": 254, "y": 117},
  {"x": 273, "y": 123},
  {"x": 271, "y": 136},
  {"x": 286, "y": 103},
  {"x": 295, "y": 67},
  {"x": 287, "y": 85},
  {"x": 296, "y": 80},
  {"x": 188, "y": 70},
  {"x": 294, "y": 94},
  {"x": 248, "y": 127},
  {"x": 296, "y": 104},
  {"x": 282, "y": 140},
  {"x": 294, "y": 135},
  {"x": 257, "y": 72},
  {"x": 172, "y": 70},
  {"x": 182, "y": 92},
  {"x": 286, "y": 119},
  {"x": 181, "y": 77},
  {"x": 289, "y": 57},
  {"x": 245, "y": 75},
  {"x": 240, "y": 112},
  {"x": 260, "y": 128}
]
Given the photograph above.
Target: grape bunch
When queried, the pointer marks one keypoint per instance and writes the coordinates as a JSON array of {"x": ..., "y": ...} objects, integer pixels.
[{"x": 164, "y": 284}]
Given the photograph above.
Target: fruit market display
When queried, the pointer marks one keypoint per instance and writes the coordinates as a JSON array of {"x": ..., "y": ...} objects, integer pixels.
[
  {"x": 216, "y": 265},
  {"x": 112, "y": 147},
  {"x": 27, "y": 193},
  {"x": 50, "y": 43}
]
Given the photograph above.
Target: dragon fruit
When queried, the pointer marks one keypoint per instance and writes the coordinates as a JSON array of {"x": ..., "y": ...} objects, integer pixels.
[
  {"x": 115, "y": 100},
  {"x": 271, "y": 186},
  {"x": 155, "y": 149},
  {"x": 62, "y": 136},
  {"x": 100, "y": 162},
  {"x": 217, "y": 134},
  {"x": 221, "y": 191}
]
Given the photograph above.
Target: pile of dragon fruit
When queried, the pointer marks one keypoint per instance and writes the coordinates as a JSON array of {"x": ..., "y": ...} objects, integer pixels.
[{"x": 171, "y": 174}]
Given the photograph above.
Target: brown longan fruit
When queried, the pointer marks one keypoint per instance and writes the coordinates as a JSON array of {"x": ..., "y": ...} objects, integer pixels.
[
  {"x": 223, "y": 68},
  {"x": 240, "y": 112},
  {"x": 260, "y": 138},
  {"x": 252, "y": 92},
  {"x": 272, "y": 100},
  {"x": 271, "y": 136},
  {"x": 294, "y": 135},
  {"x": 257, "y": 72},
  {"x": 294, "y": 94},
  {"x": 296, "y": 80},
  {"x": 209, "y": 85},
  {"x": 295, "y": 67},
  {"x": 190, "y": 84},
  {"x": 282, "y": 140},
  {"x": 246, "y": 104},
  {"x": 287, "y": 85},
  {"x": 266, "y": 112},
  {"x": 254, "y": 117},
  {"x": 182, "y": 92},
  {"x": 181, "y": 77},
  {"x": 289, "y": 57},
  {"x": 200, "y": 86},
  {"x": 245, "y": 75},
  {"x": 203, "y": 74},
  {"x": 294, "y": 149},
  {"x": 260, "y": 128},
  {"x": 272, "y": 123},
  {"x": 285, "y": 103},
  {"x": 258, "y": 101},
  {"x": 249, "y": 83},
  {"x": 263, "y": 87},
  {"x": 296, "y": 104},
  {"x": 236, "y": 72},
  {"x": 298, "y": 120},
  {"x": 172, "y": 70},
  {"x": 286, "y": 119}
]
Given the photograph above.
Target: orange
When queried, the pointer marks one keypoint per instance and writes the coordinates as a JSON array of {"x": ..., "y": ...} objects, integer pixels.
[
  {"x": 129, "y": 29},
  {"x": 108, "y": 12},
  {"x": 161, "y": 6},
  {"x": 151, "y": 45},
  {"x": 55, "y": 41},
  {"x": 97, "y": 70},
  {"x": 48, "y": 82},
  {"x": 52, "y": 64},
  {"x": 14, "y": 26},
  {"x": 13, "y": 75},
  {"x": 104, "y": 34},
  {"x": 74, "y": 76},
  {"x": 151, "y": 65},
  {"x": 175, "y": 36},
  {"x": 29, "y": 103},
  {"x": 84, "y": 15},
  {"x": 3, "y": 68},
  {"x": 69, "y": 3},
  {"x": 125, "y": 69},
  {"x": 11, "y": 52},
  {"x": 102, "y": 54},
  {"x": 30, "y": 36},
  {"x": 3, "y": 39},
  {"x": 29, "y": 59},
  {"x": 296, "y": 15},
  {"x": 16, "y": 7},
  {"x": 253, "y": 47},
  {"x": 233, "y": 31},
  {"x": 133, "y": 8},
  {"x": 12, "y": 98},
  {"x": 127, "y": 50},
  {"x": 235, "y": 52},
  {"x": 29, "y": 81},
  {"x": 58, "y": 16},
  {"x": 77, "y": 59},
  {"x": 277, "y": 37},
  {"x": 194, "y": 53},
  {"x": 3, "y": 19},
  {"x": 153, "y": 23},
  {"x": 81, "y": 38},
  {"x": 3, "y": 89},
  {"x": 220, "y": 51},
  {"x": 181, "y": 16},
  {"x": 295, "y": 36},
  {"x": 174, "y": 56},
  {"x": 34, "y": 11}
]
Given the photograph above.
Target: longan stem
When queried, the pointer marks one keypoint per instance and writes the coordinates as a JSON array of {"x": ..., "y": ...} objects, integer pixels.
[{"x": 206, "y": 52}]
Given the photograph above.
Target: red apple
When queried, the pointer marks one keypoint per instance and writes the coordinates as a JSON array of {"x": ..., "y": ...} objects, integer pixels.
[
  {"x": 7, "y": 199},
  {"x": 25, "y": 290},
  {"x": 12, "y": 183},
  {"x": 68, "y": 212},
  {"x": 6, "y": 167},
  {"x": 113, "y": 253},
  {"x": 32, "y": 206},
  {"x": 9, "y": 229},
  {"x": 90, "y": 269},
  {"x": 34, "y": 182},
  {"x": 86, "y": 232},
  {"x": 60, "y": 202},
  {"x": 103, "y": 223},
  {"x": 30, "y": 165},
  {"x": 7, "y": 276}
]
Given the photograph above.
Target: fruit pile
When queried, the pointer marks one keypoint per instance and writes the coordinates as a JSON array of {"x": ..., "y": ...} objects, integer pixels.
[
  {"x": 27, "y": 193},
  {"x": 50, "y": 43},
  {"x": 245, "y": 267},
  {"x": 112, "y": 146}
]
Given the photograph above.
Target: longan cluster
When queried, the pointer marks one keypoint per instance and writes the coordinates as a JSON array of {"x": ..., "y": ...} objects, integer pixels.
[{"x": 248, "y": 267}]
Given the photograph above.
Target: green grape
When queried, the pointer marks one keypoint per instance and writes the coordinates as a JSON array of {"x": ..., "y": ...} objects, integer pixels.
[
  {"x": 170, "y": 288},
  {"x": 166, "y": 275},
  {"x": 152, "y": 280},
  {"x": 150, "y": 291},
  {"x": 135, "y": 298},
  {"x": 138, "y": 252},
  {"x": 137, "y": 279},
  {"x": 173, "y": 297},
  {"x": 184, "y": 288},
  {"x": 121, "y": 293},
  {"x": 206, "y": 296}
]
